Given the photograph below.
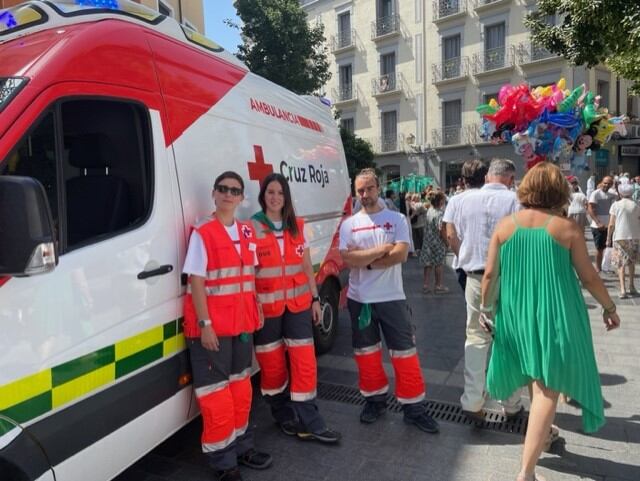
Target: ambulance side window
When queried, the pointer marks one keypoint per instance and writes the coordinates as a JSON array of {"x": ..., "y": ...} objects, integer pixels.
[
  {"x": 106, "y": 168},
  {"x": 93, "y": 158}
]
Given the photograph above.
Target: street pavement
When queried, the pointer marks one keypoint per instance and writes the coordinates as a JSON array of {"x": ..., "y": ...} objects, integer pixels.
[{"x": 390, "y": 450}]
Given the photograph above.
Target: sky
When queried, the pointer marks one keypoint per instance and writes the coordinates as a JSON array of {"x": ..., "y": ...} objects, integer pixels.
[{"x": 215, "y": 11}]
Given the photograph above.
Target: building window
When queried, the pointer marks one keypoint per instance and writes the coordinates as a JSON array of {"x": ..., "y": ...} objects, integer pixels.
[
  {"x": 494, "y": 46},
  {"x": 344, "y": 30},
  {"x": 388, "y": 72},
  {"x": 451, "y": 121},
  {"x": 385, "y": 8},
  {"x": 603, "y": 92},
  {"x": 348, "y": 124},
  {"x": 346, "y": 85},
  {"x": 451, "y": 56},
  {"x": 389, "y": 139}
]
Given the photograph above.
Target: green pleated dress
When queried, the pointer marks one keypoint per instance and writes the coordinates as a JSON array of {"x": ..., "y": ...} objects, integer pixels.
[{"x": 542, "y": 329}]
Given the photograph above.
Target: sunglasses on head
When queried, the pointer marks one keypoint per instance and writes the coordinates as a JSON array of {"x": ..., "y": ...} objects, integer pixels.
[{"x": 234, "y": 191}]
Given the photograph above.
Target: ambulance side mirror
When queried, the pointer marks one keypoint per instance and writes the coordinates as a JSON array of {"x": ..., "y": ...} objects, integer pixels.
[{"x": 27, "y": 240}]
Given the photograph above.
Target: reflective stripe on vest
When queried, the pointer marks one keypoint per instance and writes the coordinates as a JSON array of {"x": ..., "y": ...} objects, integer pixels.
[
  {"x": 226, "y": 272},
  {"x": 211, "y": 388},
  {"x": 226, "y": 289},
  {"x": 281, "y": 295}
]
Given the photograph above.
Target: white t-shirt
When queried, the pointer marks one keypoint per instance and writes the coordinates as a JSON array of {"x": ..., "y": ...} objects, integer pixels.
[
  {"x": 627, "y": 214},
  {"x": 475, "y": 214},
  {"x": 603, "y": 201},
  {"x": 195, "y": 263},
  {"x": 370, "y": 230},
  {"x": 578, "y": 203}
]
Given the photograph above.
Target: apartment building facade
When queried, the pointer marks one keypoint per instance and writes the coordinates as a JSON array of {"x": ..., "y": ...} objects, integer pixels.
[{"x": 408, "y": 75}]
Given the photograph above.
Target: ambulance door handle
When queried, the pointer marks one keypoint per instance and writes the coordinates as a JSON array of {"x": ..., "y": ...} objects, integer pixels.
[{"x": 165, "y": 269}]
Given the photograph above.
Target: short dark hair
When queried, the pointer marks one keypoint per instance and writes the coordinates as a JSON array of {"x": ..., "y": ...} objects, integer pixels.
[
  {"x": 369, "y": 172},
  {"x": 229, "y": 174},
  {"x": 473, "y": 172}
]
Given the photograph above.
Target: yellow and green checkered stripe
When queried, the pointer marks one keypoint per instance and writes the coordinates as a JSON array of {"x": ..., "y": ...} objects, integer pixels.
[{"x": 39, "y": 393}]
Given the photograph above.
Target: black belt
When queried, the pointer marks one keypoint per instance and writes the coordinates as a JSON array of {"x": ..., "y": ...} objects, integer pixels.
[{"x": 477, "y": 272}]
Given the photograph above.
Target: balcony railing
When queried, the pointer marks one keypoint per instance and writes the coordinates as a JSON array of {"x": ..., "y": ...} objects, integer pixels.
[
  {"x": 387, "y": 143},
  {"x": 343, "y": 40},
  {"x": 450, "y": 68},
  {"x": 449, "y": 135},
  {"x": 532, "y": 52},
  {"x": 446, "y": 8},
  {"x": 482, "y": 3},
  {"x": 384, "y": 26},
  {"x": 345, "y": 93},
  {"x": 387, "y": 83},
  {"x": 492, "y": 59}
]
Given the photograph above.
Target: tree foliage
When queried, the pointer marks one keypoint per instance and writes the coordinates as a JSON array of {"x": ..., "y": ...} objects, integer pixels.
[
  {"x": 280, "y": 45},
  {"x": 358, "y": 152},
  {"x": 592, "y": 32}
]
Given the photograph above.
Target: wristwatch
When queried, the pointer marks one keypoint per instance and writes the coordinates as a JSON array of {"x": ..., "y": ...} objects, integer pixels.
[
  {"x": 315, "y": 299},
  {"x": 204, "y": 323}
]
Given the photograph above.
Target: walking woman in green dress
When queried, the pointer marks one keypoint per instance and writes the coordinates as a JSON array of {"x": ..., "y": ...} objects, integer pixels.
[{"x": 540, "y": 321}]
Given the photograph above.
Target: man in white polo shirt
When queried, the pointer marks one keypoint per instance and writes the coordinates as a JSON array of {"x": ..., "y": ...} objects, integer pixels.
[
  {"x": 374, "y": 243},
  {"x": 470, "y": 220}
]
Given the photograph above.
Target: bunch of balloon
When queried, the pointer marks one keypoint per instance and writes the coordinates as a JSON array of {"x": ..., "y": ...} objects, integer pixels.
[{"x": 550, "y": 123}]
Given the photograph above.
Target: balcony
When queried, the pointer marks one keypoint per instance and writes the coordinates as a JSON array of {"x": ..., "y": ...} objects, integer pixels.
[
  {"x": 343, "y": 42},
  {"x": 385, "y": 27},
  {"x": 485, "y": 5},
  {"x": 530, "y": 52},
  {"x": 387, "y": 84},
  {"x": 387, "y": 144},
  {"x": 449, "y": 135},
  {"x": 491, "y": 60},
  {"x": 444, "y": 10},
  {"x": 345, "y": 95},
  {"x": 450, "y": 70}
]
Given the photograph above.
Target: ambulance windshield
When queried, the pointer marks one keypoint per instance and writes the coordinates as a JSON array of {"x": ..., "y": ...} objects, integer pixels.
[
  {"x": 68, "y": 8},
  {"x": 17, "y": 18}
]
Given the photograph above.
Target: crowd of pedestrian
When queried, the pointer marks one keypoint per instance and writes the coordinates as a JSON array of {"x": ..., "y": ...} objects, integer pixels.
[{"x": 514, "y": 251}]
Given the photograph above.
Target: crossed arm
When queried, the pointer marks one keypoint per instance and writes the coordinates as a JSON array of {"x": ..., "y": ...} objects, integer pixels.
[{"x": 379, "y": 257}]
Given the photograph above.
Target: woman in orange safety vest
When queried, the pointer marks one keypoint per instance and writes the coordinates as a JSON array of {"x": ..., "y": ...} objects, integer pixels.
[
  {"x": 220, "y": 313},
  {"x": 288, "y": 294}
]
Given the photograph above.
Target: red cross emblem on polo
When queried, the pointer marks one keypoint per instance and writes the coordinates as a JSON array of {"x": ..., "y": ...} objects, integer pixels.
[
  {"x": 300, "y": 250},
  {"x": 246, "y": 231},
  {"x": 387, "y": 226}
]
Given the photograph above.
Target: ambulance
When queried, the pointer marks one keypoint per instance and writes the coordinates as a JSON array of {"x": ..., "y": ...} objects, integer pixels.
[{"x": 114, "y": 122}]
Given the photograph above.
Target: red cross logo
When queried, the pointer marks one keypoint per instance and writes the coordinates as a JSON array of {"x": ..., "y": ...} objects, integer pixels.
[
  {"x": 246, "y": 231},
  {"x": 258, "y": 170},
  {"x": 300, "y": 250},
  {"x": 387, "y": 226}
]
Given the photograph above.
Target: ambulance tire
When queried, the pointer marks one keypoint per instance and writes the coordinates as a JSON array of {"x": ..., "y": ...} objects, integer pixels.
[{"x": 325, "y": 334}]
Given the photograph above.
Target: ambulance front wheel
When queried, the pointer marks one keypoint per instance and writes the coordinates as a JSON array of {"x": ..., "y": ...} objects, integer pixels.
[{"x": 325, "y": 333}]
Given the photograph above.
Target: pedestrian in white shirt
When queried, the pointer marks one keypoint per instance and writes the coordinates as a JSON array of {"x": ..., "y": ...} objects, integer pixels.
[
  {"x": 624, "y": 237},
  {"x": 599, "y": 205},
  {"x": 374, "y": 243},
  {"x": 470, "y": 219},
  {"x": 578, "y": 206}
]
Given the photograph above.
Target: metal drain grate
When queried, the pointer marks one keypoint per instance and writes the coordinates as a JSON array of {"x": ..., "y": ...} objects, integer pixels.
[{"x": 442, "y": 411}]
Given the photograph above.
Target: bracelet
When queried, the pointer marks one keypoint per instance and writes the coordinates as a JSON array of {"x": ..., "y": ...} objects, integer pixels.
[
  {"x": 315, "y": 299},
  {"x": 609, "y": 310}
]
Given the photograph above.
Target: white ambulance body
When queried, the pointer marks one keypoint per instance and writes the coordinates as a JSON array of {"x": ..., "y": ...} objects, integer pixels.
[{"x": 114, "y": 122}]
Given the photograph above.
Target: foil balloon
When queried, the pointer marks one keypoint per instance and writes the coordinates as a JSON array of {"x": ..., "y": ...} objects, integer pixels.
[{"x": 570, "y": 101}]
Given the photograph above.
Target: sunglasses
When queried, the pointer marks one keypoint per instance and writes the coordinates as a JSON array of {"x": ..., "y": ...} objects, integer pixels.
[{"x": 234, "y": 191}]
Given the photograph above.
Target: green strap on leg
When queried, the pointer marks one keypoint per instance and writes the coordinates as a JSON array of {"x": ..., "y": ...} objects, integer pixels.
[
  {"x": 364, "y": 319},
  {"x": 244, "y": 337}
]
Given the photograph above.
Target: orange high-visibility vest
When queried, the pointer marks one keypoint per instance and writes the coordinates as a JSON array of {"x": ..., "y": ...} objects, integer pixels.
[
  {"x": 230, "y": 282},
  {"x": 280, "y": 279}
]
